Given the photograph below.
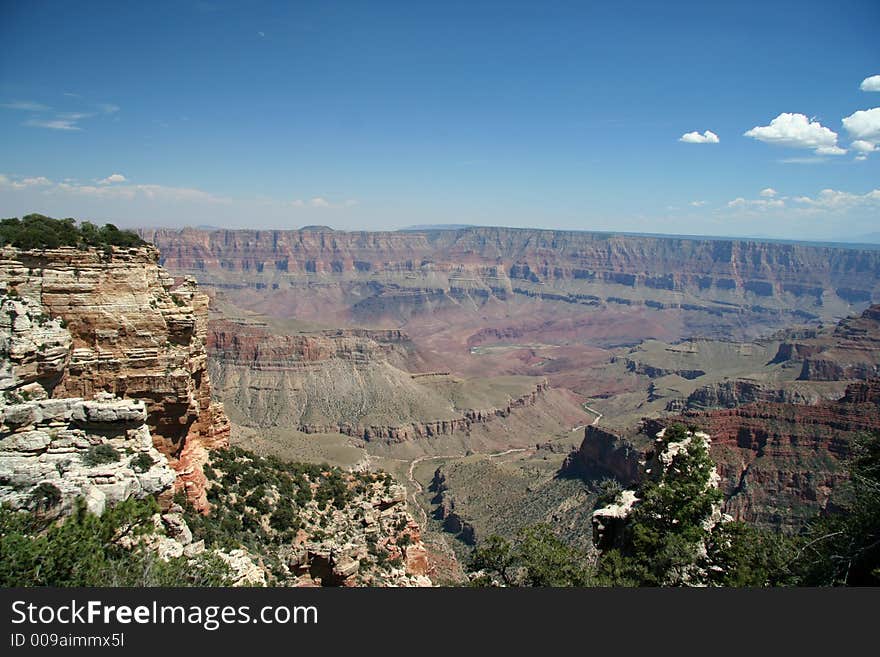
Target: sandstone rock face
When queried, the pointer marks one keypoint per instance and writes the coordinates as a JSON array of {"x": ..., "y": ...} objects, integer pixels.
[
  {"x": 394, "y": 274},
  {"x": 780, "y": 463},
  {"x": 130, "y": 332},
  {"x": 55, "y": 450}
]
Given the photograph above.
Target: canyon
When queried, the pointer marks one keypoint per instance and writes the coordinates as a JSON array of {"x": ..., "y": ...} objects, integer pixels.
[
  {"x": 539, "y": 361},
  {"x": 107, "y": 396}
]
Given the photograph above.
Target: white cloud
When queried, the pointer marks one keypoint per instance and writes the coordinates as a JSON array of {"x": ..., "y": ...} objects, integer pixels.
[
  {"x": 797, "y": 131},
  {"x": 117, "y": 199},
  {"x": 697, "y": 204},
  {"x": 39, "y": 180},
  {"x": 113, "y": 178},
  {"x": 55, "y": 124},
  {"x": 756, "y": 204},
  {"x": 25, "y": 106},
  {"x": 768, "y": 192},
  {"x": 708, "y": 137},
  {"x": 863, "y": 146},
  {"x": 802, "y": 160},
  {"x": 105, "y": 191},
  {"x": 864, "y": 125},
  {"x": 108, "y": 108},
  {"x": 871, "y": 84},
  {"x": 22, "y": 183},
  {"x": 836, "y": 201},
  {"x": 74, "y": 116}
]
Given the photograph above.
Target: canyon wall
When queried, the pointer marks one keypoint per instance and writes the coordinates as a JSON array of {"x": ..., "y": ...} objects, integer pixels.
[
  {"x": 131, "y": 333},
  {"x": 779, "y": 462},
  {"x": 340, "y": 381},
  {"x": 387, "y": 274}
]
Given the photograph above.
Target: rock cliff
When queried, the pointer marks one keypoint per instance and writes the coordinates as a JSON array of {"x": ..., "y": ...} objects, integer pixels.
[
  {"x": 850, "y": 351},
  {"x": 113, "y": 321},
  {"x": 780, "y": 463}
]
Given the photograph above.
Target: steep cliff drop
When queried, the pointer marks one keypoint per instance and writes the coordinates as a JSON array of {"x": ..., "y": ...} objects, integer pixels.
[{"x": 125, "y": 329}]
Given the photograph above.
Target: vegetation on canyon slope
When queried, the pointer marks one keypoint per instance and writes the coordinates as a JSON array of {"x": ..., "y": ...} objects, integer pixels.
[
  {"x": 36, "y": 231},
  {"x": 666, "y": 540},
  {"x": 90, "y": 550}
]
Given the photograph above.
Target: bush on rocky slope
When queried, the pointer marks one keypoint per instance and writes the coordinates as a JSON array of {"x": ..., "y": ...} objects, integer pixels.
[
  {"x": 289, "y": 514},
  {"x": 90, "y": 550}
]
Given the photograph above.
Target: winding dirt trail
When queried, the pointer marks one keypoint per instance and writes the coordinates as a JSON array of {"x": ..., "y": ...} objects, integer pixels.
[{"x": 420, "y": 489}]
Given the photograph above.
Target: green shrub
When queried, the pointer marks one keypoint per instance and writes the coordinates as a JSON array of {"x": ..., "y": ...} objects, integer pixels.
[
  {"x": 85, "y": 550},
  {"x": 142, "y": 462},
  {"x": 36, "y": 231},
  {"x": 100, "y": 454},
  {"x": 45, "y": 496}
]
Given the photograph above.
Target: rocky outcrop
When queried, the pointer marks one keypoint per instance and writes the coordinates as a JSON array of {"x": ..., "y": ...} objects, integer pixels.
[
  {"x": 431, "y": 429},
  {"x": 253, "y": 345},
  {"x": 604, "y": 452},
  {"x": 373, "y": 524},
  {"x": 654, "y": 372},
  {"x": 737, "y": 392},
  {"x": 53, "y": 451},
  {"x": 131, "y": 332},
  {"x": 446, "y": 512}
]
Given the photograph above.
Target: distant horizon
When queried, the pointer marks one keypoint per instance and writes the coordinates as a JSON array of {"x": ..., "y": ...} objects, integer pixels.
[{"x": 458, "y": 227}]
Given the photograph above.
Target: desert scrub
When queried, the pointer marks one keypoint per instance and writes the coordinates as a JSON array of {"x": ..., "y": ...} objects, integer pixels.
[
  {"x": 142, "y": 462},
  {"x": 100, "y": 454}
]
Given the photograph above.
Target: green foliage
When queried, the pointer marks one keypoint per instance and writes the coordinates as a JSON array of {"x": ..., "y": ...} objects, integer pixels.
[
  {"x": 142, "y": 462},
  {"x": 537, "y": 558},
  {"x": 36, "y": 231},
  {"x": 843, "y": 549},
  {"x": 100, "y": 454},
  {"x": 742, "y": 555},
  {"x": 664, "y": 533},
  {"x": 609, "y": 491},
  {"x": 86, "y": 550},
  {"x": 44, "y": 497}
]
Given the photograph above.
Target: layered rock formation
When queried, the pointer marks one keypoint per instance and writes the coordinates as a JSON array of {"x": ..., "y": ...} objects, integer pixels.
[
  {"x": 850, "y": 351},
  {"x": 737, "y": 392},
  {"x": 53, "y": 451},
  {"x": 780, "y": 463},
  {"x": 381, "y": 275},
  {"x": 129, "y": 331},
  {"x": 341, "y": 381}
]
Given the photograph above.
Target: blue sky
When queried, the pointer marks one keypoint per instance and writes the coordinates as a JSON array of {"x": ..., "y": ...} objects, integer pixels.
[{"x": 377, "y": 115}]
